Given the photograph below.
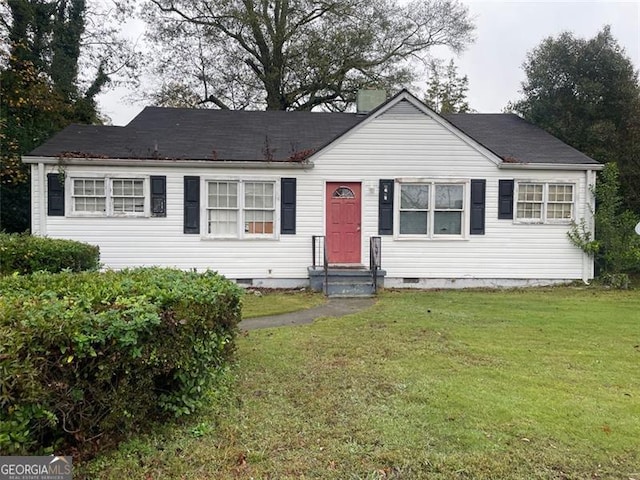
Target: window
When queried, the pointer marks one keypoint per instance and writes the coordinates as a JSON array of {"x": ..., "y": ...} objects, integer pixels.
[
  {"x": 544, "y": 202},
  {"x": 89, "y": 195},
  {"x": 431, "y": 209},
  {"x": 223, "y": 208},
  {"x": 530, "y": 201},
  {"x": 128, "y": 196},
  {"x": 343, "y": 192},
  {"x": 109, "y": 196},
  {"x": 234, "y": 204},
  {"x": 259, "y": 208}
]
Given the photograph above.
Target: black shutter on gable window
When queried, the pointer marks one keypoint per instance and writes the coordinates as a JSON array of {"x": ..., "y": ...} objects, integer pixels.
[
  {"x": 505, "y": 199},
  {"x": 478, "y": 189},
  {"x": 158, "y": 196},
  {"x": 192, "y": 205},
  {"x": 288, "y": 206},
  {"x": 55, "y": 195},
  {"x": 385, "y": 208}
]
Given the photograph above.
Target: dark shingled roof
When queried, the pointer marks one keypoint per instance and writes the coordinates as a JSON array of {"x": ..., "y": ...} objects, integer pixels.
[
  {"x": 515, "y": 140},
  {"x": 181, "y": 133},
  {"x": 225, "y": 135}
]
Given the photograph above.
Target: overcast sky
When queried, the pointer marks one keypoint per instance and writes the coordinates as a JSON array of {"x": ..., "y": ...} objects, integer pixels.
[{"x": 506, "y": 31}]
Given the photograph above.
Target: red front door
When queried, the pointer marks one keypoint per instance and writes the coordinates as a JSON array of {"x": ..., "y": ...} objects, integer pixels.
[{"x": 343, "y": 222}]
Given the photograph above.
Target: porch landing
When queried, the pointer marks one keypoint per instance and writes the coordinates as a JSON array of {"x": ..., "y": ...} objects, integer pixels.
[{"x": 345, "y": 281}]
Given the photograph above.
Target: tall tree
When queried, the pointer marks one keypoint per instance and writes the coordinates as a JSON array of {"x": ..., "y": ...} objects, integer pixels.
[
  {"x": 447, "y": 91},
  {"x": 294, "y": 54},
  {"x": 586, "y": 93},
  {"x": 44, "y": 45}
]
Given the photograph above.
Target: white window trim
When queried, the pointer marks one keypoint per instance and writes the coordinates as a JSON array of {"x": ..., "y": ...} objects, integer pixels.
[
  {"x": 545, "y": 202},
  {"x": 433, "y": 181},
  {"x": 240, "y": 233},
  {"x": 108, "y": 213}
]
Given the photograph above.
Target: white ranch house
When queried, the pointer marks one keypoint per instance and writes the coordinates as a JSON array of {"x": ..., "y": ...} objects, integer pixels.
[{"x": 456, "y": 200}]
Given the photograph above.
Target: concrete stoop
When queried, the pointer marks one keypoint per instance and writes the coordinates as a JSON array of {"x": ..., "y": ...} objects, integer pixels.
[{"x": 345, "y": 282}]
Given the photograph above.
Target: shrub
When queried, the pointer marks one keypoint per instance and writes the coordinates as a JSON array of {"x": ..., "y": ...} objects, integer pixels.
[
  {"x": 23, "y": 253},
  {"x": 100, "y": 354},
  {"x": 616, "y": 246}
]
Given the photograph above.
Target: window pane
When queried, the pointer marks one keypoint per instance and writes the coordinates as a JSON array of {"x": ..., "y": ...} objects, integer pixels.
[
  {"x": 268, "y": 195},
  {"x": 343, "y": 192},
  {"x": 223, "y": 222},
  {"x": 447, "y": 223},
  {"x": 222, "y": 195},
  {"x": 530, "y": 210},
  {"x": 530, "y": 192},
  {"x": 414, "y": 197},
  {"x": 258, "y": 222},
  {"x": 561, "y": 193},
  {"x": 413, "y": 223},
  {"x": 449, "y": 197},
  {"x": 258, "y": 195},
  {"x": 562, "y": 211}
]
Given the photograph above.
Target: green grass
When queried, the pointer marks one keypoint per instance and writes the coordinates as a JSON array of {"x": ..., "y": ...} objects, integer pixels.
[
  {"x": 263, "y": 303},
  {"x": 531, "y": 384}
]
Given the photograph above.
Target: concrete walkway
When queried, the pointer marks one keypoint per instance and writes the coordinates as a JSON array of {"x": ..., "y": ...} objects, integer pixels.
[{"x": 334, "y": 307}]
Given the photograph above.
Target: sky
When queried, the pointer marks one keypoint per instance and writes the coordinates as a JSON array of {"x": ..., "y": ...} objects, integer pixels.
[{"x": 506, "y": 31}]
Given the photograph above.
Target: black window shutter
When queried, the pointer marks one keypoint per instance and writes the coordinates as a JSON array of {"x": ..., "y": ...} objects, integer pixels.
[
  {"x": 288, "y": 206},
  {"x": 505, "y": 199},
  {"x": 158, "y": 196},
  {"x": 55, "y": 195},
  {"x": 385, "y": 208},
  {"x": 478, "y": 188},
  {"x": 191, "y": 205}
]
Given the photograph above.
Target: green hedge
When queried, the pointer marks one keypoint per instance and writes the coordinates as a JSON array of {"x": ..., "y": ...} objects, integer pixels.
[
  {"x": 23, "y": 253},
  {"x": 100, "y": 354}
]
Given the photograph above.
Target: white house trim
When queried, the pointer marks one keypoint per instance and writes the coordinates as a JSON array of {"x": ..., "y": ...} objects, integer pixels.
[
  {"x": 152, "y": 162},
  {"x": 549, "y": 166}
]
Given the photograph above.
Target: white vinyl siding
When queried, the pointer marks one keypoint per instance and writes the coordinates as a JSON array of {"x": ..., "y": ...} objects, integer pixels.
[{"x": 543, "y": 202}]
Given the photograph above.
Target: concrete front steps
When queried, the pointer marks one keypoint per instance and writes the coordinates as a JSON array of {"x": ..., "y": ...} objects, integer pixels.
[{"x": 345, "y": 281}]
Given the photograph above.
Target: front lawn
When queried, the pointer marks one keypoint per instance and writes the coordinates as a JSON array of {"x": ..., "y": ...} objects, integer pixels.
[
  {"x": 527, "y": 384},
  {"x": 257, "y": 303}
]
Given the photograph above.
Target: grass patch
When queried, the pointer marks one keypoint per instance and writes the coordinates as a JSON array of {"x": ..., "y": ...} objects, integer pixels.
[
  {"x": 260, "y": 303},
  {"x": 530, "y": 384}
]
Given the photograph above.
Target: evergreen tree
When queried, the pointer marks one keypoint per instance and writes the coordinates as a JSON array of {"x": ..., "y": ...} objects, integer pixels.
[{"x": 447, "y": 92}]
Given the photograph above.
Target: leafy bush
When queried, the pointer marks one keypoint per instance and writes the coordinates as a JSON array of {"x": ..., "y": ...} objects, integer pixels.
[
  {"x": 94, "y": 355},
  {"x": 26, "y": 254}
]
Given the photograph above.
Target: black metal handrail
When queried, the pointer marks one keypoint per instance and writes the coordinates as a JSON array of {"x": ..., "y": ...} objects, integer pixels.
[
  {"x": 375, "y": 259},
  {"x": 319, "y": 244}
]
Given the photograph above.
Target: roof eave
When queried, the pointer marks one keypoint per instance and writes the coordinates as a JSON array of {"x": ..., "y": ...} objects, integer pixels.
[
  {"x": 550, "y": 166},
  {"x": 162, "y": 162}
]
